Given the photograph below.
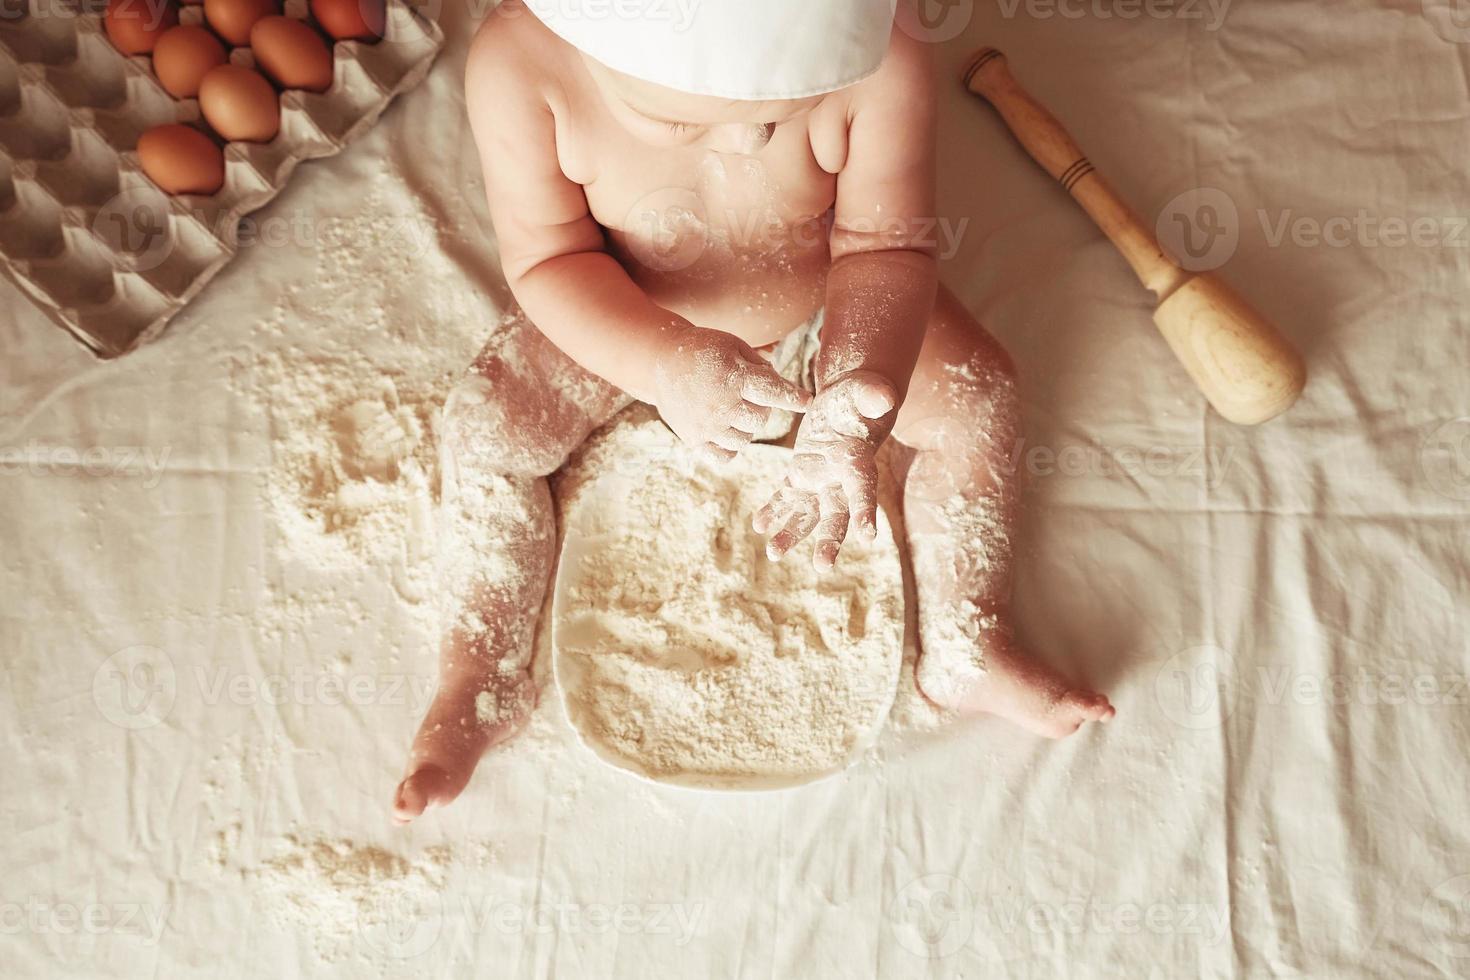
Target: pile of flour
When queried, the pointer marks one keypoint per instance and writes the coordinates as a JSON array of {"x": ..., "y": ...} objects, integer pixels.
[
  {"x": 355, "y": 477},
  {"x": 686, "y": 654},
  {"x": 336, "y": 889},
  {"x": 350, "y": 899},
  {"x": 354, "y": 393}
]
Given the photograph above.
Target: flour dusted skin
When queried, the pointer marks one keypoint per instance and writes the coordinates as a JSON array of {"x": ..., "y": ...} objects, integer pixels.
[{"x": 686, "y": 655}]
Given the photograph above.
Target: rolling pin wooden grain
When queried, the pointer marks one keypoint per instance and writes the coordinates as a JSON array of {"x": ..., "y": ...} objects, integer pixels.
[{"x": 1247, "y": 370}]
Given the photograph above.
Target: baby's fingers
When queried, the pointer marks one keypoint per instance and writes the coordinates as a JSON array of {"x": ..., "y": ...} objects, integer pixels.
[
  {"x": 860, "y": 484},
  {"x": 715, "y": 453},
  {"x": 732, "y": 439},
  {"x": 749, "y": 418},
  {"x": 779, "y": 506},
  {"x": 832, "y": 530},
  {"x": 763, "y": 386},
  {"x": 802, "y": 522}
]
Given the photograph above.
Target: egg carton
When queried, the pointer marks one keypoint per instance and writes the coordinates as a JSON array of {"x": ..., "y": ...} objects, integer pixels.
[{"x": 83, "y": 231}]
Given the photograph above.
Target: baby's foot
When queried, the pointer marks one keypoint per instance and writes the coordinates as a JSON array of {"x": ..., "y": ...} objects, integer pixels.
[
  {"x": 472, "y": 712},
  {"x": 970, "y": 664}
]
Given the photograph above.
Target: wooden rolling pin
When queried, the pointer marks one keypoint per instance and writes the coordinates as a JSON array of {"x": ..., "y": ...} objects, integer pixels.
[{"x": 1247, "y": 370}]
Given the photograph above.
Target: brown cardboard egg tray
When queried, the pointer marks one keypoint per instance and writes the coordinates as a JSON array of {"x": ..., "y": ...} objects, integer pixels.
[{"x": 83, "y": 231}]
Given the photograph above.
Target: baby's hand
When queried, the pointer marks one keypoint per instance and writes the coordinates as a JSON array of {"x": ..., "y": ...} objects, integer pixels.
[
  {"x": 716, "y": 392},
  {"x": 834, "y": 473}
]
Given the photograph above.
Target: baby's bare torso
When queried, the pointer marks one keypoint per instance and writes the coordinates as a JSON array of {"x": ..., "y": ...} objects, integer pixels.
[{"x": 732, "y": 241}]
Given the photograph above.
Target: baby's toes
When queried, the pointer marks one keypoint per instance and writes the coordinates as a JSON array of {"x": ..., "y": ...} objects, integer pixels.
[
  {"x": 425, "y": 785},
  {"x": 1091, "y": 706}
]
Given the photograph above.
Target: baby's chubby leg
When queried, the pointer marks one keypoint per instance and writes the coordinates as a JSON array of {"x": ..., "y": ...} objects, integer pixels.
[
  {"x": 524, "y": 407},
  {"x": 960, "y": 424}
]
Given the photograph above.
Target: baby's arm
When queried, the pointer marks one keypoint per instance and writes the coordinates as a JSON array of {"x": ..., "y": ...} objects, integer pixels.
[
  {"x": 880, "y": 295},
  {"x": 880, "y": 292},
  {"x": 713, "y": 390}
]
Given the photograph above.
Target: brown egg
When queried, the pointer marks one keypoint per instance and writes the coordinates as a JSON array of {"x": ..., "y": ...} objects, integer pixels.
[
  {"x": 134, "y": 26},
  {"x": 182, "y": 57},
  {"x": 351, "y": 20},
  {"x": 232, "y": 19},
  {"x": 181, "y": 159},
  {"x": 240, "y": 104},
  {"x": 291, "y": 53}
]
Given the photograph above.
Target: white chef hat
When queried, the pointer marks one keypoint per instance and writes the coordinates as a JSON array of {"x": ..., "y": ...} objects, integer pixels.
[{"x": 735, "y": 49}]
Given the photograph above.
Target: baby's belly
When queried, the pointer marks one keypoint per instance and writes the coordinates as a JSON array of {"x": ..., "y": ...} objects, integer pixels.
[{"x": 759, "y": 290}]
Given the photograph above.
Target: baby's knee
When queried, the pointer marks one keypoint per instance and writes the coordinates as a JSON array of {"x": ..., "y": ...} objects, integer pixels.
[
  {"x": 983, "y": 382},
  {"x": 989, "y": 359},
  {"x": 496, "y": 429}
]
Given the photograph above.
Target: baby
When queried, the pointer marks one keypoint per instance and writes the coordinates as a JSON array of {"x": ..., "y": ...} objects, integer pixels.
[{"x": 723, "y": 214}]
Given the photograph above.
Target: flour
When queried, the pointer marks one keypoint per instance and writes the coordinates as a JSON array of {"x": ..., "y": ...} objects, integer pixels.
[
  {"x": 354, "y": 479},
  {"x": 958, "y": 535},
  {"x": 333, "y": 888},
  {"x": 354, "y": 398},
  {"x": 349, "y": 370},
  {"x": 349, "y": 898},
  {"x": 832, "y": 485},
  {"x": 687, "y": 655}
]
